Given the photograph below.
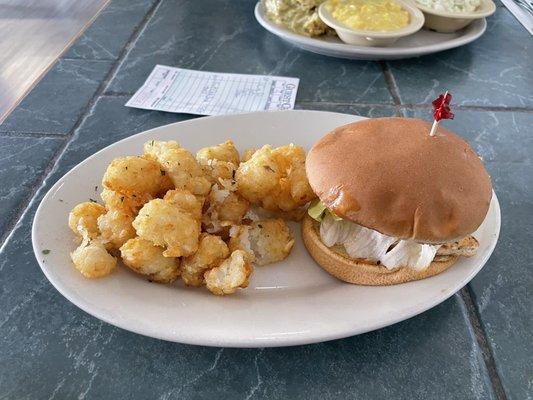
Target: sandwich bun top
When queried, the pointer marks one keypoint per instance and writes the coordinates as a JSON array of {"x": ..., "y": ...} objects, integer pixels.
[{"x": 390, "y": 175}]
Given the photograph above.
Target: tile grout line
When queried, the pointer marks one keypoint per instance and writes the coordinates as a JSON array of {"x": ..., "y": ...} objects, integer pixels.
[
  {"x": 21, "y": 209},
  {"x": 398, "y": 106},
  {"x": 473, "y": 108},
  {"x": 409, "y": 106},
  {"x": 481, "y": 338},
  {"x": 88, "y": 59},
  {"x": 29, "y": 134},
  {"x": 87, "y": 110},
  {"x": 391, "y": 83},
  {"x": 117, "y": 94}
]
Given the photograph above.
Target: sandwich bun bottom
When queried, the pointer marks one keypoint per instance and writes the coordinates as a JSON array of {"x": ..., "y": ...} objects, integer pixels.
[{"x": 358, "y": 271}]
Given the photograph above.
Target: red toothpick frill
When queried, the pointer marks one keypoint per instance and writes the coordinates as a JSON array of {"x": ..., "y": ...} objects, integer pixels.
[{"x": 441, "y": 106}]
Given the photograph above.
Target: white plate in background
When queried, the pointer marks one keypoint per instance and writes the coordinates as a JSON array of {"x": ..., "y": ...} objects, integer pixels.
[
  {"x": 421, "y": 43},
  {"x": 289, "y": 303}
]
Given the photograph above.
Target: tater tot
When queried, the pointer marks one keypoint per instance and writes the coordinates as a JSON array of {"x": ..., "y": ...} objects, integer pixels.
[
  {"x": 146, "y": 259},
  {"x": 212, "y": 250},
  {"x": 116, "y": 228},
  {"x": 233, "y": 273},
  {"x": 128, "y": 203},
  {"x": 83, "y": 219},
  {"x": 186, "y": 201},
  {"x": 133, "y": 175},
  {"x": 92, "y": 259},
  {"x": 222, "y": 152},
  {"x": 165, "y": 224},
  {"x": 268, "y": 240},
  {"x": 179, "y": 165}
]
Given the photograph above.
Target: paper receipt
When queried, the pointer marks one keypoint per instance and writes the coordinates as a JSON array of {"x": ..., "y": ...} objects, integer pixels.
[{"x": 212, "y": 93}]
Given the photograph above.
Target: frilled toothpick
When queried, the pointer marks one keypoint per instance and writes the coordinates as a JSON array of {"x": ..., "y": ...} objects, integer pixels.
[{"x": 441, "y": 111}]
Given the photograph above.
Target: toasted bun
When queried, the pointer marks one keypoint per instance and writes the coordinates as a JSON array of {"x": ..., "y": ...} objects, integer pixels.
[
  {"x": 359, "y": 272},
  {"x": 389, "y": 175}
]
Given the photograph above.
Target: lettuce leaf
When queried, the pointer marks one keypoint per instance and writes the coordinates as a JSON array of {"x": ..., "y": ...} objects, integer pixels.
[{"x": 317, "y": 210}]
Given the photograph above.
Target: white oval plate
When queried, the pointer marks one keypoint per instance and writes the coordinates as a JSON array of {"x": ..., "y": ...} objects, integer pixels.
[
  {"x": 418, "y": 44},
  {"x": 289, "y": 303}
]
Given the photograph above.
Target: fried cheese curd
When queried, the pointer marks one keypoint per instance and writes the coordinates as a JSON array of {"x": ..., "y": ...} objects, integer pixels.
[
  {"x": 143, "y": 257},
  {"x": 129, "y": 203},
  {"x": 186, "y": 201},
  {"x": 224, "y": 209},
  {"x": 116, "y": 228},
  {"x": 83, "y": 219},
  {"x": 179, "y": 165},
  {"x": 224, "y": 206},
  {"x": 219, "y": 162},
  {"x": 133, "y": 175},
  {"x": 92, "y": 259},
  {"x": 212, "y": 250},
  {"x": 275, "y": 179},
  {"x": 169, "y": 214},
  {"x": 265, "y": 241},
  {"x": 166, "y": 224},
  {"x": 233, "y": 273}
]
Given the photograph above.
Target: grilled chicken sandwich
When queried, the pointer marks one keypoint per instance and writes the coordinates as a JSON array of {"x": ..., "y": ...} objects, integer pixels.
[{"x": 395, "y": 204}]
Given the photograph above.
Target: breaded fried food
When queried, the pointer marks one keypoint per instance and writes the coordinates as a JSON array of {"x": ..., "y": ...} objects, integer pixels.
[
  {"x": 265, "y": 241},
  {"x": 219, "y": 163},
  {"x": 82, "y": 220},
  {"x": 166, "y": 184},
  {"x": 186, "y": 201},
  {"x": 133, "y": 175},
  {"x": 225, "y": 208},
  {"x": 220, "y": 172},
  {"x": 292, "y": 160},
  {"x": 275, "y": 179},
  {"x": 248, "y": 153},
  {"x": 92, "y": 259},
  {"x": 166, "y": 224},
  {"x": 233, "y": 273},
  {"x": 232, "y": 209},
  {"x": 222, "y": 152},
  {"x": 128, "y": 203},
  {"x": 212, "y": 250},
  {"x": 170, "y": 214},
  {"x": 143, "y": 257},
  {"x": 259, "y": 176},
  {"x": 466, "y": 247},
  {"x": 116, "y": 228},
  {"x": 179, "y": 165}
]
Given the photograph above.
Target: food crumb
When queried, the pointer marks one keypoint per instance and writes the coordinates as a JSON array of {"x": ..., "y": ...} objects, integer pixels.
[{"x": 46, "y": 251}]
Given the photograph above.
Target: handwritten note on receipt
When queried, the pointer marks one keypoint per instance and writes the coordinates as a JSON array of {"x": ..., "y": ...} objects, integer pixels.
[{"x": 212, "y": 93}]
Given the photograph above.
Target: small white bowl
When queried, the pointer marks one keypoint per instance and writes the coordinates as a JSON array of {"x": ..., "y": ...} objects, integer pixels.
[
  {"x": 447, "y": 22},
  {"x": 373, "y": 38}
]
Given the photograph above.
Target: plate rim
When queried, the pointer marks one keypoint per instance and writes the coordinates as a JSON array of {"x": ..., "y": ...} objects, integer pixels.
[
  {"x": 349, "y": 50},
  {"x": 316, "y": 337}
]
